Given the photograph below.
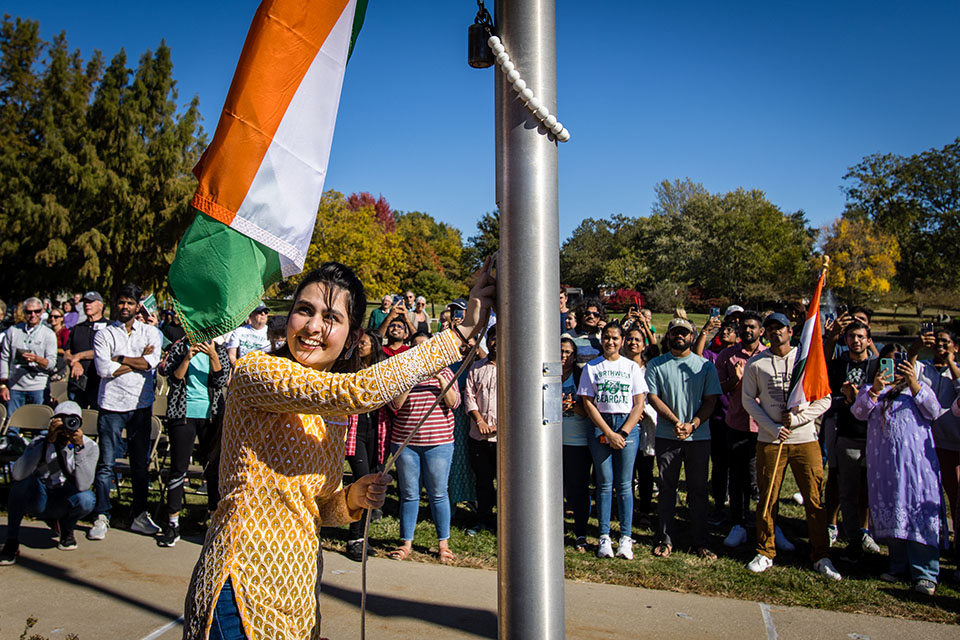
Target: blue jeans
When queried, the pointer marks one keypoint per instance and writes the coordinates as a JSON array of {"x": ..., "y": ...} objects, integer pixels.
[
  {"x": 63, "y": 503},
  {"x": 435, "y": 462},
  {"x": 615, "y": 466},
  {"x": 109, "y": 426},
  {"x": 919, "y": 561},
  {"x": 226, "y": 624},
  {"x": 20, "y": 398}
]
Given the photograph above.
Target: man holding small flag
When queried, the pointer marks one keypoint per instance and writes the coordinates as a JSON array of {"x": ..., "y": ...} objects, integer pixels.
[{"x": 785, "y": 389}]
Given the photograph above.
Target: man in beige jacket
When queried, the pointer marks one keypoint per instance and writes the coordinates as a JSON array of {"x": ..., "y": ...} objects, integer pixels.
[{"x": 766, "y": 384}]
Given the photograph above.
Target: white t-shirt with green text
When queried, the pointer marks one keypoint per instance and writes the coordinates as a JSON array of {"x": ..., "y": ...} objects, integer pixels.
[{"x": 612, "y": 384}]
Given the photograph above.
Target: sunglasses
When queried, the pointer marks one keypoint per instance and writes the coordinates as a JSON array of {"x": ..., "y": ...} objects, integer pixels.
[
  {"x": 32, "y": 312},
  {"x": 591, "y": 314},
  {"x": 55, "y": 315}
]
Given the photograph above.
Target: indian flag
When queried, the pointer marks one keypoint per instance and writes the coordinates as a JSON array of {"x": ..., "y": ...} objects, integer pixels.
[
  {"x": 809, "y": 380},
  {"x": 261, "y": 178}
]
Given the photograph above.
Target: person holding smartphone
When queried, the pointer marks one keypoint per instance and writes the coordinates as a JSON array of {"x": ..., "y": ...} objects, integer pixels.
[
  {"x": 612, "y": 390},
  {"x": 903, "y": 470},
  {"x": 848, "y": 373}
]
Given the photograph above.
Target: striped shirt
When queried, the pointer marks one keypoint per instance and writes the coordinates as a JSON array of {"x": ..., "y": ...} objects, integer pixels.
[{"x": 438, "y": 427}]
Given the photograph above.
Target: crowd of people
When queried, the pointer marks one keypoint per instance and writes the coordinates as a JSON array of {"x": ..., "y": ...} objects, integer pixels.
[
  {"x": 875, "y": 455},
  {"x": 871, "y": 460}
]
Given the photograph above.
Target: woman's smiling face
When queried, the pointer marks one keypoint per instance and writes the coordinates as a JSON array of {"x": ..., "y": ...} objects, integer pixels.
[{"x": 318, "y": 327}]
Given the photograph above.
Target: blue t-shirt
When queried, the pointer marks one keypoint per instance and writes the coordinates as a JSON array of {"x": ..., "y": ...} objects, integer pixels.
[
  {"x": 198, "y": 391},
  {"x": 576, "y": 429},
  {"x": 682, "y": 383}
]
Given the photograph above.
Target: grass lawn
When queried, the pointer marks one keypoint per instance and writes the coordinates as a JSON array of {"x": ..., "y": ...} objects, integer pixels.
[{"x": 791, "y": 581}]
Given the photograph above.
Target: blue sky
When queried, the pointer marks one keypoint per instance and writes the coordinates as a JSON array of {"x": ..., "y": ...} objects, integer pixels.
[{"x": 781, "y": 96}]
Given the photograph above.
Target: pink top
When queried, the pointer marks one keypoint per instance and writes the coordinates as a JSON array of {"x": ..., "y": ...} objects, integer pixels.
[{"x": 727, "y": 361}]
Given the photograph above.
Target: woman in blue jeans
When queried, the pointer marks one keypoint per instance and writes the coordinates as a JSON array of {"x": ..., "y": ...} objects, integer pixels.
[
  {"x": 428, "y": 457},
  {"x": 612, "y": 389}
]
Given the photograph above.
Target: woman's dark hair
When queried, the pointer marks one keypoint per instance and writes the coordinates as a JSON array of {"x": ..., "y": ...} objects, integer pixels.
[
  {"x": 950, "y": 334},
  {"x": 576, "y": 370},
  {"x": 336, "y": 276},
  {"x": 611, "y": 326},
  {"x": 572, "y": 344},
  {"x": 650, "y": 352},
  {"x": 376, "y": 353},
  {"x": 65, "y": 303}
]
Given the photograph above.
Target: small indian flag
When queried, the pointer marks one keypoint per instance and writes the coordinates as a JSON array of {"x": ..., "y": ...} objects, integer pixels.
[
  {"x": 809, "y": 380},
  {"x": 261, "y": 178}
]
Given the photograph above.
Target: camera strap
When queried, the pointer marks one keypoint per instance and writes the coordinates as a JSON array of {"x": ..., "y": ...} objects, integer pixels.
[{"x": 62, "y": 461}]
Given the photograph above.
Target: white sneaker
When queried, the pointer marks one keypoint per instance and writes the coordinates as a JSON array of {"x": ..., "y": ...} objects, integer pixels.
[
  {"x": 99, "y": 529},
  {"x": 798, "y": 498},
  {"x": 824, "y": 567},
  {"x": 145, "y": 525},
  {"x": 605, "y": 549},
  {"x": 625, "y": 548},
  {"x": 868, "y": 544},
  {"x": 833, "y": 533},
  {"x": 736, "y": 537},
  {"x": 781, "y": 542},
  {"x": 759, "y": 564}
]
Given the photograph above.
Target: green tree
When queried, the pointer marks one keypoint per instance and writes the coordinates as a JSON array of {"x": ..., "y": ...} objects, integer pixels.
[
  {"x": 917, "y": 199},
  {"x": 433, "y": 256},
  {"x": 355, "y": 237},
  {"x": 485, "y": 243},
  {"x": 98, "y": 161}
]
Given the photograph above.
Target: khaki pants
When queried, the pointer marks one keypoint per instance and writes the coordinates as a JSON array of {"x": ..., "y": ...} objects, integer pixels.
[{"x": 807, "y": 467}]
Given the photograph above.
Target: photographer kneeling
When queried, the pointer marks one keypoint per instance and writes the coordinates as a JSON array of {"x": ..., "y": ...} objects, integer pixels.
[{"x": 52, "y": 481}]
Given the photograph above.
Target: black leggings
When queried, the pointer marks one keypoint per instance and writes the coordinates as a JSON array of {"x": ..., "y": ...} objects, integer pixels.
[
  {"x": 182, "y": 433},
  {"x": 576, "y": 485},
  {"x": 362, "y": 462}
]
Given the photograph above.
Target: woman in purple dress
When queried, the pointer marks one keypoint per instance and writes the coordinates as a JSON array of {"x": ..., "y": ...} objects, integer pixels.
[{"x": 903, "y": 472}]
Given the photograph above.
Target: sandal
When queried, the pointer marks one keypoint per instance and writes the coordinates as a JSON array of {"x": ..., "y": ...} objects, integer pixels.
[
  {"x": 706, "y": 554},
  {"x": 662, "y": 550},
  {"x": 446, "y": 556},
  {"x": 400, "y": 553}
]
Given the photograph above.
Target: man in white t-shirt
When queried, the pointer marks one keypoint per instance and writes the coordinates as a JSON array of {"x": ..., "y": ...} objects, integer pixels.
[{"x": 250, "y": 337}]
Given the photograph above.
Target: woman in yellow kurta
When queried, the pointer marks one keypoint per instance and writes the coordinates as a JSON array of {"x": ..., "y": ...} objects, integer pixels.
[{"x": 281, "y": 464}]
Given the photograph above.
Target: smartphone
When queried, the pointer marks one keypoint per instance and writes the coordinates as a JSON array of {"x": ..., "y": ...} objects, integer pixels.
[
  {"x": 841, "y": 309},
  {"x": 831, "y": 316},
  {"x": 926, "y": 327},
  {"x": 397, "y": 298},
  {"x": 714, "y": 312},
  {"x": 886, "y": 368},
  {"x": 899, "y": 357},
  {"x": 458, "y": 314}
]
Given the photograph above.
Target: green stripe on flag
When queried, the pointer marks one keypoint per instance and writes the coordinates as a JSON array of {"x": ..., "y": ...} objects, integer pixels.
[
  {"x": 358, "y": 16},
  {"x": 796, "y": 376},
  {"x": 218, "y": 277}
]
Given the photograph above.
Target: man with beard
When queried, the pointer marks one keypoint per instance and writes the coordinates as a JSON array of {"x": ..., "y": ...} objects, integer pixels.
[
  {"x": 793, "y": 435},
  {"x": 848, "y": 373},
  {"x": 83, "y": 386},
  {"x": 741, "y": 428},
  {"x": 126, "y": 354},
  {"x": 396, "y": 336},
  {"x": 683, "y": 390}
]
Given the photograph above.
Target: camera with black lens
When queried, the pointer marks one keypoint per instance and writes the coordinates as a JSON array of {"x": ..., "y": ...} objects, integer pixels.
[{"x": 71, "y": 423}]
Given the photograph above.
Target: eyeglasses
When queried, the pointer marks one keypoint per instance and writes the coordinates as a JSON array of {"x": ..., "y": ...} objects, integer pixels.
[
  {"x": 591, "y": 314},
  {"x": 32, "y": 312},
  {"x": 56, "y": 315}
]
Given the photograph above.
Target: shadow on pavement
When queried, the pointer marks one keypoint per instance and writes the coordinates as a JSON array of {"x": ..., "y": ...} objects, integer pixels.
[{"x": 479, "y": 622}]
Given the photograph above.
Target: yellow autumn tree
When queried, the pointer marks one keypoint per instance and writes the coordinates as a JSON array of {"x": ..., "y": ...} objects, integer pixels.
[
  {"x": 357, "y": 239},
  {"x": 863, "y": 258}
]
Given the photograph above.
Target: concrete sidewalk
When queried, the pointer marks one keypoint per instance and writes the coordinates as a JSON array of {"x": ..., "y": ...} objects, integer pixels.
[{"x": 127, "y": 587}]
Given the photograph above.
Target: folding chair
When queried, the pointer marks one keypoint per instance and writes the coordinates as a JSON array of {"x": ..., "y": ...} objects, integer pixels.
[
  {"x": 31, "y": 419},
  {"x": 58, "y": 391},
  {"x": 89, "y": 425}
]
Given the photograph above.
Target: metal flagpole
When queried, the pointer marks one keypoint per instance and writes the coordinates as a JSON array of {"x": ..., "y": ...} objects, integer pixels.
[{"x": 529, "y": 494}]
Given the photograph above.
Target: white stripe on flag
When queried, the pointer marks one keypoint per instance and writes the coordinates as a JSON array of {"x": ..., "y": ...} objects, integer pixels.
[{"x": 283, "y": 196}]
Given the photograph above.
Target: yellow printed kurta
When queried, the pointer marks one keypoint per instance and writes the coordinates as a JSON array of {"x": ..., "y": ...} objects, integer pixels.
[{"x": 281, "y": 468}]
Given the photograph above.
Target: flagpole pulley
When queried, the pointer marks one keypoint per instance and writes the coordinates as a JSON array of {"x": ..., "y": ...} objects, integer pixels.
[{"x": 479, "y": 54}]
